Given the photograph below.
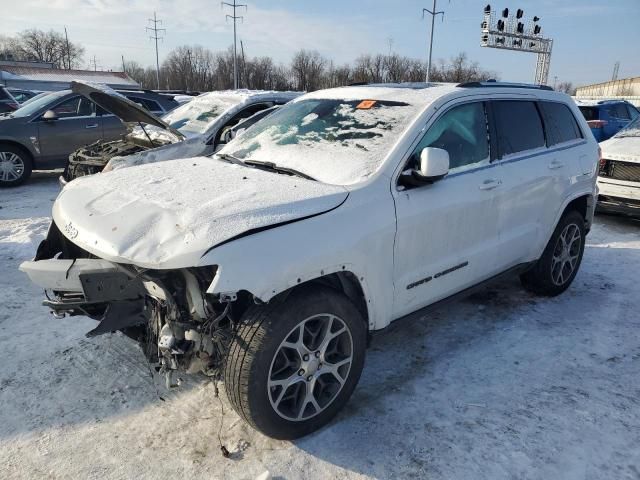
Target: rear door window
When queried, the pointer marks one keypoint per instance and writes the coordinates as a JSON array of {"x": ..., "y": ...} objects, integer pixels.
[
  {"x": 560, "y": 123},
  {"x": 589, "y": 113},
  {"x": 633, "y": 112},
  {"x": 518, "y": 126},
  {"x": 619, "y": 111}
]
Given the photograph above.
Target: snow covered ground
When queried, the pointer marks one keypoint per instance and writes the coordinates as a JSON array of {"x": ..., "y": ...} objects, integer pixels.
[{"x": 501, "y": 385}]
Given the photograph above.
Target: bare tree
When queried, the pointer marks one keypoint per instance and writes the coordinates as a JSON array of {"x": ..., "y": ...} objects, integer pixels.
[
  {"x": 566, "y": 87},
  {"x": 48, "y": 46},
  {"x": 308, "y": 68},
  {"x": 460, "y": 69}
]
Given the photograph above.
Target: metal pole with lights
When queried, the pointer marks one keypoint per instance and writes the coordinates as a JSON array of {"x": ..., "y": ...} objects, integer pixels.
[{"x": 514, "y": 33}]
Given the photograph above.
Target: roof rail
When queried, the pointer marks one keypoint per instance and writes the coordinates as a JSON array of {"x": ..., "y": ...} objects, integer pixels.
[
  {"x": 493, "y": 83},
  {"x": 613, "y": 100}
]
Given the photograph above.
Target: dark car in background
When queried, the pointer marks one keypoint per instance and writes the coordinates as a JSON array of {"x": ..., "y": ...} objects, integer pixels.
[
  {"x": 41, "y": 134},
  {"x": 607, "y": 117},
  {"x": 7, "y": 102},
  {"x": 21, "y": 95}
]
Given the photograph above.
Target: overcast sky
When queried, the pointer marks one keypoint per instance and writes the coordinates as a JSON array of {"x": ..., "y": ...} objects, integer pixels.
[{"x": 589, "y": 35}]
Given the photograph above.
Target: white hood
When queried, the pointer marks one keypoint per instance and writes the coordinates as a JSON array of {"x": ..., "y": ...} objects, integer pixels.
[
  {"x": 622, "y": 148},
  {"x": 167, "y": 215}
]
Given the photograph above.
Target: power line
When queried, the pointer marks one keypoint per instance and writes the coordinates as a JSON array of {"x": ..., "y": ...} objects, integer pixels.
[
  {"x": 156, "y": 36},
  {"x": 235, "y": 18},
  {"x": 434, "y": 13}
]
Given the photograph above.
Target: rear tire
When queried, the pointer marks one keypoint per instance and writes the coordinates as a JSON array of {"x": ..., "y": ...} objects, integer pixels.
[
  {"x": 15, "y": 166},
  {"x": 294, "y": 364},
  {"x": 557, "y": 267}
]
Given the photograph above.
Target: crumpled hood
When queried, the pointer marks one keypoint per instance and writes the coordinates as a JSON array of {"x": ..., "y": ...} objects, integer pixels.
[
  {"x": 626, "y": 149},
  {"x": 167, "y": 215}
]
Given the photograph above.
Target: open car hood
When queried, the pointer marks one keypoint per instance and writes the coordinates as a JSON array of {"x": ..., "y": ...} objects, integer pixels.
[
  {"x": 167, "y": 215},
  {"x": 123, "y": 108}
]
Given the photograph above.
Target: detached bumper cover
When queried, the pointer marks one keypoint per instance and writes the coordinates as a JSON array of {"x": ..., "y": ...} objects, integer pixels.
[{"x": 92, "y": 287}]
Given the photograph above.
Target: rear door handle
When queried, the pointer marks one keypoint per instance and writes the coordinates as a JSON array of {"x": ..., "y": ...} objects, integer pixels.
[
  {"x": 554, "y": 164},
  {"x": 490, "y": 184},
  {"x": 92, "y": 125}
]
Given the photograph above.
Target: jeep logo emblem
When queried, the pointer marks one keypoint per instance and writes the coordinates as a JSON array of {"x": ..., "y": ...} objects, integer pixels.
[{"x": 71, "y": 231}]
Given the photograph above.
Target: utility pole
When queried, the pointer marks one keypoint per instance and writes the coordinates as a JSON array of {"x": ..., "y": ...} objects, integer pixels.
[
  {"x": 244, "y": 65},
  {"x": 68, "y": 49},
  {"x": 94, "y": 62},
  {"x": 235, "y": 18},
  {"x": 433, "y": 14},
  {"x": 124, "y": 70},
  {"x": 555, "y": 81},
  {"x": 156, "y": 36},
  {"x": 616, "y": 68}
]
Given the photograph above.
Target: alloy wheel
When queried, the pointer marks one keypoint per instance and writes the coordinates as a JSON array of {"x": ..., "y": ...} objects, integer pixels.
[
  {"x": 566, "y": 254},
  {"x": 310, "y": 367},
  {"x": 11, "y": 167}
]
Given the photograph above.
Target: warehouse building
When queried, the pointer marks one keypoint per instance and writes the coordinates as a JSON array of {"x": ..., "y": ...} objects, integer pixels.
[
  {"x": 625, "y": 87},
  {"x": 45, "y": 77}
]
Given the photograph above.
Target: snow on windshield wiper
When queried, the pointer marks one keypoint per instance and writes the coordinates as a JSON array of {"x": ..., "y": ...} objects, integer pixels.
[
  {"x": 229, "y": 158},
  {"x": 272, "y": 166}
]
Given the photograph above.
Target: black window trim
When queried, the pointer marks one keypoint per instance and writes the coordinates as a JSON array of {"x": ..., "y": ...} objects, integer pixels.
[
  {"x": 500, "y": 155},
  {"x": 576, "y": 123}
]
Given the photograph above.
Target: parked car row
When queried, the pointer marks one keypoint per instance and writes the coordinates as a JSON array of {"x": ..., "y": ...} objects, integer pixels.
[
  {"x": 198, "y": 127},
  {"x": 44, "y": 131},
  {"x": 270, "y": 261}
]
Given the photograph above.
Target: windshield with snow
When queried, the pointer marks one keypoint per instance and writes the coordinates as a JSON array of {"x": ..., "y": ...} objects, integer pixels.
[
  {"x": 631, "y": 130},
  {"x": 200, "y": 113},
  {"x": 334, "y": 141}
]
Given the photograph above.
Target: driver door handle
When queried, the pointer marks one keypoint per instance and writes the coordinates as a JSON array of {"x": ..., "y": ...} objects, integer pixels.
[
  {"x": 92, "y": 125},
  {"x": 490, "y": 184}
]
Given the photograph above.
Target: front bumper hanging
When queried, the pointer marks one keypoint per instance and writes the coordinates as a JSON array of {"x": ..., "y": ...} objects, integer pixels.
[{"x": 93, "y": 287}]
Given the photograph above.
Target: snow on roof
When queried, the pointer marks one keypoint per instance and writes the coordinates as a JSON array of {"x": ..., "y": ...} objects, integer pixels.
[
  {"x": 56, "y": 75},
  {"x": 412, "y": 93}
]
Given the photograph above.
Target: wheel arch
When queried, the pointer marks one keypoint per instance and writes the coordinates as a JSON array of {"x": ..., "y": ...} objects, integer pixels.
[{"x": 20, "y": 146}]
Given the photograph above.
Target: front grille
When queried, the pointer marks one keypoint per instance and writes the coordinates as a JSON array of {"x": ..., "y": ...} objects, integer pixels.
[{"x": 626, "y": 171}]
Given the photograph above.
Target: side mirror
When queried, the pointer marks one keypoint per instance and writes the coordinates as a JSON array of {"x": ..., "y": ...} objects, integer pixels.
[
  {"x": 434, "y": 165},
  {"x": 49, "y": 116}
]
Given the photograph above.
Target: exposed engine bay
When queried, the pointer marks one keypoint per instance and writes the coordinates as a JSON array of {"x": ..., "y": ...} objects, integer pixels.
[
  {"x": 94, "y": 157},
  {"x": 168, "y": 312}
]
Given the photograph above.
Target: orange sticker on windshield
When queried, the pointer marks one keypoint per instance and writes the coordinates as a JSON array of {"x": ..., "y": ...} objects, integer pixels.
[{"x": 366, "y": 104}]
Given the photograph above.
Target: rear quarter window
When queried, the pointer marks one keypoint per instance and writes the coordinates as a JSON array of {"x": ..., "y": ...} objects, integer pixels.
[
  {"x": 560, "y": 123},
  {"x": 518, "y": 126},
  {"x": 589, "y": 113}
]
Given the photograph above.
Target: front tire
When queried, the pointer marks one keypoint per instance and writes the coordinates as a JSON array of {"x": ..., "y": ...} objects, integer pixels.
[
  {"x": 15, "y": 166},
  {"x": 294, "y": 364},
  {"x": 557, "y": 267}
]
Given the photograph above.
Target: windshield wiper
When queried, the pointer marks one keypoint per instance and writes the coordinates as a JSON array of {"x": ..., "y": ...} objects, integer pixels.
[
  {"x": 275, "y": 168},
  {"x": 229, "y": 158}
]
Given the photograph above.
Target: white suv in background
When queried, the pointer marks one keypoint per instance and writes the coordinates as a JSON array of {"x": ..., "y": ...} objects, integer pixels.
[
  {"x": 619, "y": 175},
  {"x": 270, "y": 262}
]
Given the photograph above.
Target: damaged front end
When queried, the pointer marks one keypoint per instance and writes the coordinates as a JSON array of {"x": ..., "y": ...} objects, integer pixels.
[
  {"x": 178, "y": 325},
  {"x": 93, "y": 158}
]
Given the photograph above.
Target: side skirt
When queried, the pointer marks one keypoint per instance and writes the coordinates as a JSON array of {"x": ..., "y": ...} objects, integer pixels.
[{"x": 399, "y": 322}]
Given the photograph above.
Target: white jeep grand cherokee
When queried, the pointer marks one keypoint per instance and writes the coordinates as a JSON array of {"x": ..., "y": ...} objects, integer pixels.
[{"x": 270, "y": 262}]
